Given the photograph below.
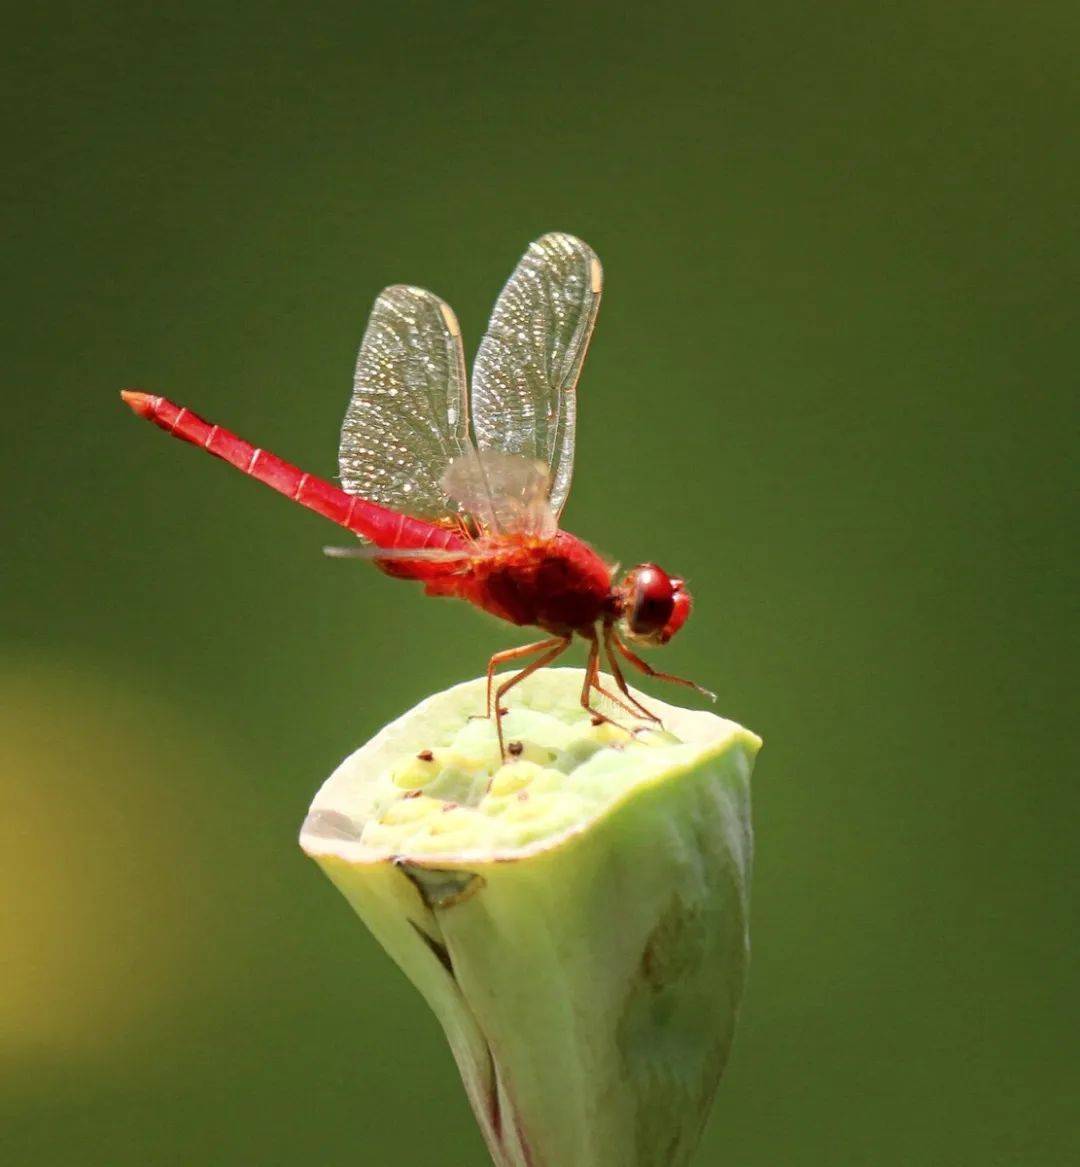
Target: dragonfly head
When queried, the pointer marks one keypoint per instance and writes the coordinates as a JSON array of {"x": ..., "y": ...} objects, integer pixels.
[{"x": 654, "y": 604}]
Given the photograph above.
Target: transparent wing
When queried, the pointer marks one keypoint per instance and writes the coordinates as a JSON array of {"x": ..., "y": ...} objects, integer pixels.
[
  {"x": 416, "y": 554},
  {"x": 408, "y": 417},
  {"x": 506, "y": 494},
  {"x": 527, "y": 368}
]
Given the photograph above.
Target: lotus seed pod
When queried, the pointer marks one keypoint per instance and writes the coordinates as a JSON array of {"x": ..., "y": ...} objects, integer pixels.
[{"x": 576, "y": 916}]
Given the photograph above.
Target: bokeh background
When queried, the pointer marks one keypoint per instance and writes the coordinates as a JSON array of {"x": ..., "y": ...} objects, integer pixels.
[{"x": 830, "y": 384}]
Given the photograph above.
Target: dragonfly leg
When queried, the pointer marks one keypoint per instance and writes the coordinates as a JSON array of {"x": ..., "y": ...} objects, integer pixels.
[
  {"x": 592, "y": 681},
  {"x": 629, "y": 705},
  {"x": 649, "y": 671},
  {"x": 555, "y": 647},
  {"x": 620, "y": 680},
  {"x": 515, "y": 654}
]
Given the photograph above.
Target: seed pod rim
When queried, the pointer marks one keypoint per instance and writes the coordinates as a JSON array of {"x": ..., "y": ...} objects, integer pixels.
[{"x": 712, "y": 735}]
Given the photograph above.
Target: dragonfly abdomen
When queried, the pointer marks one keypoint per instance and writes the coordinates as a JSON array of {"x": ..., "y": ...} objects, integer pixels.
[{"x": 383, "y": 526}]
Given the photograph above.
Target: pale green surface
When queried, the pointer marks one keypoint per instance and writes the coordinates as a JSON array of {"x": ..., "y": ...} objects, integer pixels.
[
  {"x": 588, "y": 976},
  {"x": 463, "y": 797}
]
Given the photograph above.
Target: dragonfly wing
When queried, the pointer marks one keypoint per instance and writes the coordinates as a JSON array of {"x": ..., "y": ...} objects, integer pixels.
[
  {"x": 528, "y": 364},
  {"x": 415, "y": 554},
  {"x": 408, "y": 417},
  {"x": 507, "y": 494}
]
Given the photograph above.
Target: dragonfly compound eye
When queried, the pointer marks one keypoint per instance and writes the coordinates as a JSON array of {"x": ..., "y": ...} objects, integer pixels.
[
  {"x": 680, "y": 609},
  {"x": 652, "y": 599},
  {"x": 656, "y": 605}
]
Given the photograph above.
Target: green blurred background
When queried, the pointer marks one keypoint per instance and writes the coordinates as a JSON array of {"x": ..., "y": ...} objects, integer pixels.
[{"x": 830, "y": 386}]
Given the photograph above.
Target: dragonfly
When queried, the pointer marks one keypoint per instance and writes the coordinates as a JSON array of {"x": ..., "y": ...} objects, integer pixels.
[{"x": 475, "y": 514}]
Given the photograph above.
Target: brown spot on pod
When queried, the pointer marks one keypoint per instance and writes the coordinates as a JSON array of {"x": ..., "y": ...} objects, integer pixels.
[
  {"x": 439, "y": 951},
  {"x": 439, "y": 888}
]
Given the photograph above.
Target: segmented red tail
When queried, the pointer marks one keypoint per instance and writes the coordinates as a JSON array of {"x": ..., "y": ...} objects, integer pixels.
[{"x": 383, "y": 526}]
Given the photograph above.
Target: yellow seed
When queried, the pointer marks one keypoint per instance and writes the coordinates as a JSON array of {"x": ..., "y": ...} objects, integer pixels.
[
  {"x": 494, "y": 805},
  {"x": 410, "y": 810},
  {"x": 512, "y": 777},
  {"x": 609, "y": 734},
  {"x": 529, "y": 751},
  {"x": 531, "y": 806},
  {"x": 451, "y": 832},
  {"x": 415, "y": 772},
  {"x": 549, "y": 782},
  {"x": 448, "y": 821}
]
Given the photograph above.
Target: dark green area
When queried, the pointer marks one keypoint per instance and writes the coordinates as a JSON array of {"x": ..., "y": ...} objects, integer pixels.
[{"x": 830, "y": 385}]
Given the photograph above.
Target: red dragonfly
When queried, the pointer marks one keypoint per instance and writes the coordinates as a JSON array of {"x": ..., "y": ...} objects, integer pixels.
[{"x": 477, "y": 516}]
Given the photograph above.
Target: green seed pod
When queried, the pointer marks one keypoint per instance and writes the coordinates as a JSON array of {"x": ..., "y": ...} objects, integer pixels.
[{"x": 576, "y": 917}]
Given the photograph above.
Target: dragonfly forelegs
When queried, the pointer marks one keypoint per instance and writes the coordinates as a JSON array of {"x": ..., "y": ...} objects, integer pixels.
[
  {"x": 592, "y": 681},
  {"x": 620, "y": 680},
  {"x": 591, "y": 674},
  {"x": 649, "y": 671}
]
